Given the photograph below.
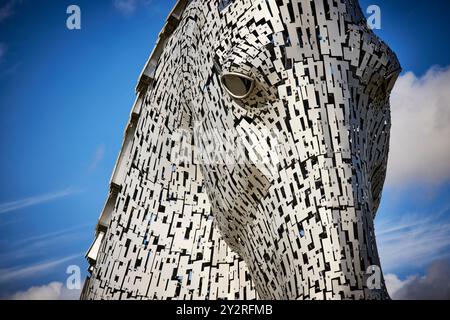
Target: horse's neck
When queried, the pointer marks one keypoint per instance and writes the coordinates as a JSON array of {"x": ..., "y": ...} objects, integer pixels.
[{"x": 161, "y": 230}]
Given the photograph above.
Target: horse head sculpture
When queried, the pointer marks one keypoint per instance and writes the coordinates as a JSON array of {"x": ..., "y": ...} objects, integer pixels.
[{"x": 254, "y": 160}]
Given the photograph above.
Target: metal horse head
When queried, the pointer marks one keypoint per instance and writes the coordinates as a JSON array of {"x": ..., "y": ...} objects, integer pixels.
[{"x": 255, "y": 158}]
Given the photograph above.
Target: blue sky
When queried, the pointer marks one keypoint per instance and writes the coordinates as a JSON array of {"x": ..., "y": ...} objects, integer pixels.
[{"x": 65, "y": 98}]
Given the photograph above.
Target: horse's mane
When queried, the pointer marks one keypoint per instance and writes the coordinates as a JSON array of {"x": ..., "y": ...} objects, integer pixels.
[
  {"x": 173, "y": 20},
  {"x": 145, "y": 81}
]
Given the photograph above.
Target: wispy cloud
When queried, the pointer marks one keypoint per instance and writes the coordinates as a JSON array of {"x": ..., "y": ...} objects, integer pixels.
[
  {"x": 51, "y": 236},
  {"x": 128, "y": 7},
  {"x": 36, "y": 200},
  {"x": 98, "y": 157},
  {"x": 10, "y": 222},
  {"x": 8, "y": 9},
  {"x": 413, "y": 239},
  {"x": 2, "y": 50},
  {"x": 35, "y": 245},
  {"x": 17, "y": 273},
  {"x": 420, "y": 147},
  {"x": 51, "y": 291}
]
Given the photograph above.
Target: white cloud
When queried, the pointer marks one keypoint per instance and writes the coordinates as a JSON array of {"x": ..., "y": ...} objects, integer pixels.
[
  {"x": 434, "y": 285},
  {"x": 51, "y": 291},
  {"x": 413, "y": 240},
  {"x": 128, "y": 7},
  {"x": 16, "y": 273},
  {"x": 393, "y": 284},
  {"x": 32, "y": 201},
  {"x": 420, "y": 145}
]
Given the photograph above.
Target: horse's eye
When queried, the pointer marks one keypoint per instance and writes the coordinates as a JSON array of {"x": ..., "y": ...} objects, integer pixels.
[{"x": 238, "y": 85}]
